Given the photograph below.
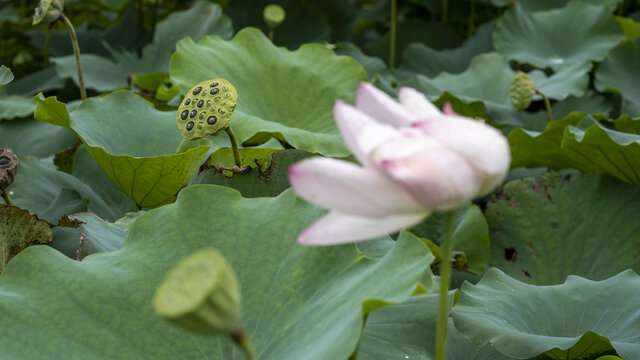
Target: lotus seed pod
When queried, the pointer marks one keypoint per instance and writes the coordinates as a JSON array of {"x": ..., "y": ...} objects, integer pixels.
[
  {"x": 273, "y": 15},
  {"x": 47, "y": 11},
  {"x": 206, "y": 109},
  {"x": 201, "y": 293},
  {"x": 8, "y": 168},
  {"x": 521, "y": 91}
]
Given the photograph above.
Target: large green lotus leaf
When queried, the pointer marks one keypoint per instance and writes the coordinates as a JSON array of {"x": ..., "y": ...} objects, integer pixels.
[
  {"x": 203, "y": 18},
  {"x": 99, "y": 235},
  {"x": 40, "y": 188},
  {"x": 99, "y": 73},
  {"x": 433, "y": 34},
  {"x": 422, "y": 59},
  {"x": 266, "y": 177},
  {"x": 6, "y": 76},
  {"x": 488, "y": 80},
  {"x": 14, "y": 106},
  {"x": 590, "y": 103},
  {"x": 408, "y": 331},
  {"x": 576, "y": 33},
  {"x": 298, "y": 302},
  {"x": 379, "y": 74},
  {"x": 522, "y": 320},
  {"x": 29, "y": 136},
  {"x": 544, "y": 229},
  {"x": 18, "y": 230},
  {"x": 537, "y": 5},
  {"x": 86, "y": 169},
  {"x": 42, "y": 80},
  {"x": 618, "y": 73},
  {"x": 279, "y": 102},
  {"x": 133, "y": 143},
  {"x": 580, "y": 142}
]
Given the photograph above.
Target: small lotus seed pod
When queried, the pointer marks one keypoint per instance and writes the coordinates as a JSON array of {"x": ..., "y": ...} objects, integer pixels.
[
  {"x": 201, "y": 293},
  {"x": 8, "y": 168},
  {"x": 521, "y": 91},
  {"x": 47, "y": 11},
  {"x": 273, "y": 15},
  {"x": 202, "y": 111}
]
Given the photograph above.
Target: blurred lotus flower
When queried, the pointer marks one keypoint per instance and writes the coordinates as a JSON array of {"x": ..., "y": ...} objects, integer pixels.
[{"x": 415, "y": 159}]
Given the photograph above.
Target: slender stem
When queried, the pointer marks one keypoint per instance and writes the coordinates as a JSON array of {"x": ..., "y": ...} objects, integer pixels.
[
  {"x": 7, "y": 198},
  {"x": 154, "y": 18},
  {"x": 47, "y": 46},
  {"x": 472, "y": 15},
  {"x": 445, "y": 6},
  {"x": 621, "y": 7},
  {"x": 547, "y": 105},
  {"x": 271, "y": 34},
  {"x": 445, "y": 274},
  {"x": 392, "y": 41},
  {"x": 240, "y": 337},
  {"x": 234, "y": 146},
  {"x": 76, "y": 52}
]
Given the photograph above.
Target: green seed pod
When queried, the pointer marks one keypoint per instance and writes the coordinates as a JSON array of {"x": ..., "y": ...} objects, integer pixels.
[
  {"x": 206, "y": 109},
  {"x": 47, "y": 11},
  {"x": 8, "y": 168},
  {"x": 273, "y": 15},
  {"x": 201, "y": 293},
  {"x": 521, "y": 91}
]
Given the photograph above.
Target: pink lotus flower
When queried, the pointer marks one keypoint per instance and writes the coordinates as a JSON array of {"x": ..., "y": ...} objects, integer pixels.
[{"x": 415, "y": 159}]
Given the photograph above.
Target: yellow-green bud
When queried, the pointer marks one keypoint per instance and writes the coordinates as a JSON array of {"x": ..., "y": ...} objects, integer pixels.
[
  {"x": 274, "y": 15},
  {"x": 521, "y": 91},
  {"x": 201, "y": 294},
  {"x": 47, "y": 11}
]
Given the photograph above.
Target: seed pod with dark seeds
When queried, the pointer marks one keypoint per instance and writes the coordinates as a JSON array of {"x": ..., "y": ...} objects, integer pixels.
[
  {"x": 521, "y": 91},
  {"x": 47, "y": 11},
  {"x": 8, "y": 168},
  {"x": 206, "y": 109}
]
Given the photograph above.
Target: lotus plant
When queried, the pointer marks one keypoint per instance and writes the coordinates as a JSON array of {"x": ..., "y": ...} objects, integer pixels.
[{"x": 414, "y": 159}]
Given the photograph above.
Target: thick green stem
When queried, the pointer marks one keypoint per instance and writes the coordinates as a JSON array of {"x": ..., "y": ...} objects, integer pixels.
[
  {"x": 445, "y": 6},
  {"x": 7, "y": 198},
  {"x": 392, "y": 40},
  {"x": 445, "y": 275},
  {"x": 234, "y": 146},
  {"x": 76, "y": 52},
  {"x": 47, "y": 46},
  {"x": 547, "y": 105},
  {"x": 472, "y": 15}
]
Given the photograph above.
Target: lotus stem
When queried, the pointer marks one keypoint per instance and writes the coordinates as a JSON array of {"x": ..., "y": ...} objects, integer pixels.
[
  {"x": 392, "y": 40},
  {"x": 234, "y": 146},
  {"x": 472, "y": 15},
  {"x": 445, "y": 275},
  {"x": 7, "y": 198},
  {"x": 239, "y": 336},
  {"x": 547, "y": 105},
  {"x": 47, "y": 46},
  {"x": 76, "y": 52},
  {"x": 445, "y": 6},
  {"x": 271, "y": 34}
]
